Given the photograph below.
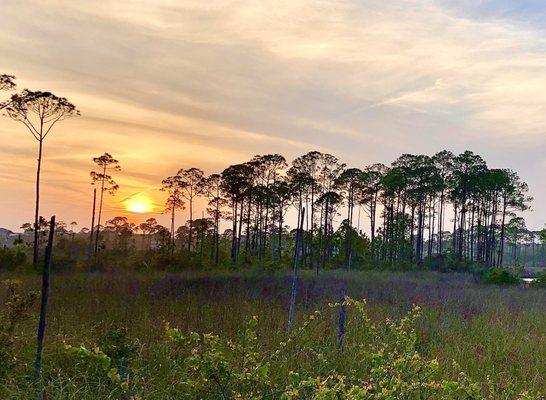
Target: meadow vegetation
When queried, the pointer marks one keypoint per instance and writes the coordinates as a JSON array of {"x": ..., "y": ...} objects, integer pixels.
[{"x": 223, "y": 335}]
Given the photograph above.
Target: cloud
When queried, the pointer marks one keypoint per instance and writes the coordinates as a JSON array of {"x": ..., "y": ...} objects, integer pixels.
[{"x": 169, "y": 84}]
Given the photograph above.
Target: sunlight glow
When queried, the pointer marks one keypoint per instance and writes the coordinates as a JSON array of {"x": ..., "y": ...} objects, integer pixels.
[{"x": 138, "y": 204}]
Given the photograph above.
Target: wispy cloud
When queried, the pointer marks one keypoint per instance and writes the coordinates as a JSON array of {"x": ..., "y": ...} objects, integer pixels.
[{"x": 169, "y": 84}]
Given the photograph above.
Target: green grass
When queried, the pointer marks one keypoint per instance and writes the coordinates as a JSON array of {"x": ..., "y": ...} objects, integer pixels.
[{"x": 488, "y": 330}]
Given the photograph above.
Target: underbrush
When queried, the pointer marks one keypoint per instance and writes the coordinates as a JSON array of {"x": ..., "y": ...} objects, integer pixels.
[
  {"x": 502, "y": 276},
  {"x": 540, "y": 281},
  {"x": 106, "y": 339},
  {"x": 358, "y": 360}
]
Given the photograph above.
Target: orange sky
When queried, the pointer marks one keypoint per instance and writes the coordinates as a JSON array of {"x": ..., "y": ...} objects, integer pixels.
[{"x": 164, "y": 85}]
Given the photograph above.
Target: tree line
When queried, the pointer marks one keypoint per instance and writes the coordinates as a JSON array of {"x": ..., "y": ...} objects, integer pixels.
[{"x": 420, "y": 208}]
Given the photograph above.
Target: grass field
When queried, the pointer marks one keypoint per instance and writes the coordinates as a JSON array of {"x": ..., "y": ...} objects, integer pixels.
[{"x": 488, "y": 330}]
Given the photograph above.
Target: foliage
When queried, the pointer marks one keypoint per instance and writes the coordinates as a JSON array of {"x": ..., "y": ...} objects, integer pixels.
[
  {"x": 15, "y": 309},
  {"x": 540, "y": 281},
  {"x": 11, "y": 258},
  {"x": 502, "y": 276},
  {"x": 493, "y": 333},
  {"x": 386, "y": 365},
  {"x": 84, "y": 367}
]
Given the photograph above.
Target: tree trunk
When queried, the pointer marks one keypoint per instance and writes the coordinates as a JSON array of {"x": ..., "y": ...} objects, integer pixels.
[
  {"x": 234, "y": 233},
  {"x": 441, "y": 224},
  {"x": 100, "y": 211},
  {"x": 280, "y": 229},
  {"x": 240, "y": 227},
  {"x": 297, "y": 257},
  {"x": 248, "y": 217},
  {"x": 217, "y": 232},
  {"x": 349, "y": 232},
  {"x": 373, "y": 205},
  {"x": 173, "y": 235},
  {"x": 36, "y": 248},
  {"x": 502, "y": 234},
  {"x": 191, "y": 224},
  {"x": 43, "y": 303},
  {"x": 90, "y": 247}
]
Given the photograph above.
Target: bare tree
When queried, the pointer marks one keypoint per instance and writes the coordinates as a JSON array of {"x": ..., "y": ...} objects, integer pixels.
[
  {"x": 107, "y": 184},
  {"x": 39, "y": 112}
]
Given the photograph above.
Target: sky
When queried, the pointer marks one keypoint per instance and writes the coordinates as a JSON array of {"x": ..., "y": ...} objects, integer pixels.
[{"x": 164, "y": 85}]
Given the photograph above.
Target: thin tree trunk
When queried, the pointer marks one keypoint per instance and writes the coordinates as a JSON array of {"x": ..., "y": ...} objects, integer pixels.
[
  {"x": 349, "y": 230},
  {"x": 36, "y": 248},
  {"x": 234, "y": 233},
  {"x": 454, "y": 228},
  {"x": 373, "y": 205},
  {"x": 90, "y": 247},
  {"x": 312, "y": 230},
  {"x": 240, "y": 227},
  {"x": 248, "y": 218},
  {"x": 502, "y": 234},
  {"x": 217, "y": 233},
  {"x": 191, "y": 224},
  {"x": 280, "y": 230},
  {"x": 43, "y": 303},
  {"x": 297, "y": 257},
  {"x": 441, "y": 224},
  {"x": 100, "y": 211}
]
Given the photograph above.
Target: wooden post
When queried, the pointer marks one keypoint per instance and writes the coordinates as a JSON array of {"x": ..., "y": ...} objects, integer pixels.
[
  {"x": 341, "y": 323},
  {"x": 297, "y": 254},
  {"x": 90, "y": 248},
  {"x": 43, "y": 304}
]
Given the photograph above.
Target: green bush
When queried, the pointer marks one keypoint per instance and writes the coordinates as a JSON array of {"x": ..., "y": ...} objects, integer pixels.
[
  {"x": 11, "y": 258},
  {"x": 14, "y": 310},
  {"x": 372, "y": 362},
  {"x": 502, "y": 276},
  {"x": 539, "y": 282}
]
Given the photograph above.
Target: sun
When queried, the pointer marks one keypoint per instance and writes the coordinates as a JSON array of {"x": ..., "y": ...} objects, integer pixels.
[
  {"x": 138, "y": 208},
  {"x": 139, "y": 204}
]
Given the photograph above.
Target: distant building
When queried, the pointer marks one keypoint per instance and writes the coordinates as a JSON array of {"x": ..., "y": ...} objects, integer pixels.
[{"x": 7, "y": 237}]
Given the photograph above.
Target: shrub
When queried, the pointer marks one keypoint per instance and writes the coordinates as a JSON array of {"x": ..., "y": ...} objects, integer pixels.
[
  {"x": 376, "y": 362},
  {"x": 14, "y": 311},
  {"x": 86, "y": 369},
  {"x": 383, "y": 363},
  {"x": 502, "y": 276},
  {"x": 540, "y": 281},
  {"x": 11, "y": 258}
]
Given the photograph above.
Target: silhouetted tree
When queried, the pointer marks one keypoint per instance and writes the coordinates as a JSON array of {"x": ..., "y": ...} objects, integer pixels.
[
  {"x": 191, "y": 185},
  {"x": 202, "y": 227},
  {"x": 7, "y": 82},
  {"x": 370, "y": 189},
  {"x": 122, "y": 229},
  {"x": 350, "y": 182},
  {"x": 308, "y": 165},
  {"x": 211, "y": 188},
  {"x": 39, "y": 112},
  {"x": 281, "y": 196},
  {"x": 105, "y": 163},
  {"x": 329, "y": 202},
  {"x": 172, "y": 185},
  {"x": 148, "y": 229},
  {"x": 73, "y": 226},
  {"x": 235, "y": 181}
]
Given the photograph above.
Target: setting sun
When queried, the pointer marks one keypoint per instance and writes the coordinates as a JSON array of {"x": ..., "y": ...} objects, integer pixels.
[{"x": 138, "y": 204}]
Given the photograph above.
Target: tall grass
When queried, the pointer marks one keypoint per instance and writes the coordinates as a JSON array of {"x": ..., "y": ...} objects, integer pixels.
[{"x": 492, "y": 331}]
